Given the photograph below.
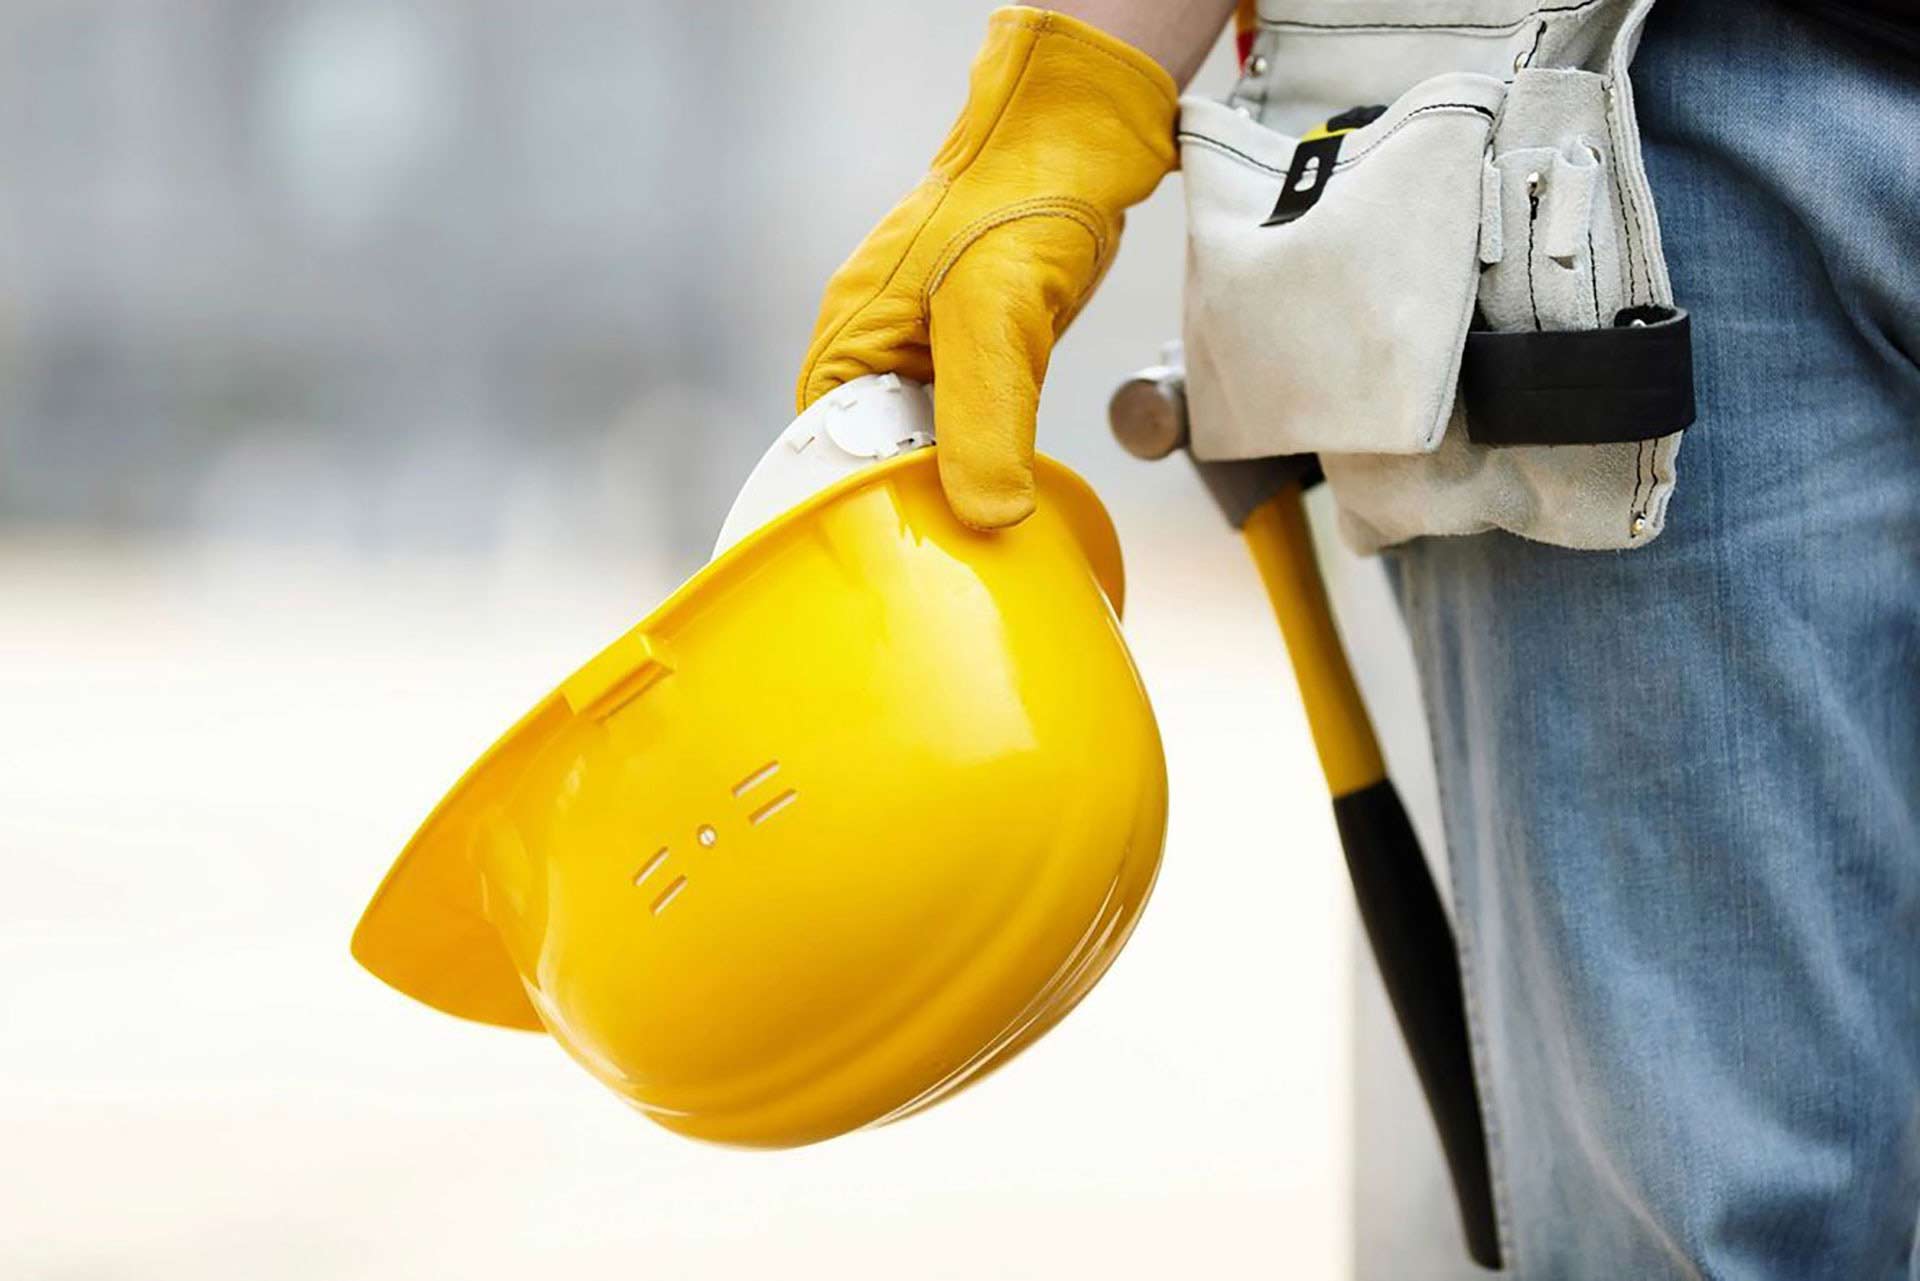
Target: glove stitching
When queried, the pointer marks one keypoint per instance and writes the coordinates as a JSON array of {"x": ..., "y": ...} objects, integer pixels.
[
  {"x": 825, "y": 344},
  {"x": 1159, "y": 85},
  {"x": 1079, "y": 211}
]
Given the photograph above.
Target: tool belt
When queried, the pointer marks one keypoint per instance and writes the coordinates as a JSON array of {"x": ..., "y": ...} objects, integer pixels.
[{"x": 1423, "y": 247}]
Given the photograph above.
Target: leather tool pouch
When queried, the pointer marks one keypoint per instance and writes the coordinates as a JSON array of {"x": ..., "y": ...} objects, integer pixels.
[
  {"x": 1457, "y": 299},
  {"x": 1331, "y": 282}
]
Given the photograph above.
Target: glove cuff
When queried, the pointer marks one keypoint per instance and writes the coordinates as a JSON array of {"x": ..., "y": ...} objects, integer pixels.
[
  {"x": 1045, "y": 22},
  {"x": 1053, "y": 90}
]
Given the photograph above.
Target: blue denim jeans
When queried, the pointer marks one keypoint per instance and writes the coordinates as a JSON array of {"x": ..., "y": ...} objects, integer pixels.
[{"x": 1682, "y": 784}]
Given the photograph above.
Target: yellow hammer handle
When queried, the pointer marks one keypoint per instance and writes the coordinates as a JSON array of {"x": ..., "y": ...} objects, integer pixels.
[{"x": 1282, "y": 548}]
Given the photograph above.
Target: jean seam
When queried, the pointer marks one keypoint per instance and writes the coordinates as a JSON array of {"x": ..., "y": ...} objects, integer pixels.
[{"x": 1476, "y": 1037}]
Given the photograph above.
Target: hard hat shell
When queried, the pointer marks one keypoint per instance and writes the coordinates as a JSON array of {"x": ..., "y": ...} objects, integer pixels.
[{"x": 860, "y": 811}]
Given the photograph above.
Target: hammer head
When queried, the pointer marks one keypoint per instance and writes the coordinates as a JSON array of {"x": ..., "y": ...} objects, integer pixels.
[{"x": 1148, "y": 415}]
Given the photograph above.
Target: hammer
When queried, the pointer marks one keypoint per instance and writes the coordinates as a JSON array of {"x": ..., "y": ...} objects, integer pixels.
[{"x": 1401, "y": 910}]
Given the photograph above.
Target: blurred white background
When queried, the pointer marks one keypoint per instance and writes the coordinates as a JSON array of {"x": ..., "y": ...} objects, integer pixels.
[{"x": 364, "y": 366}]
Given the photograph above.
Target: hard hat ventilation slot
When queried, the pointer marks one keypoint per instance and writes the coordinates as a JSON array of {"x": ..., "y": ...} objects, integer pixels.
[
  {"x": 653, "y": 865},
  {"x": 756, "y": 778},
  {"x": 669, "y": 894},
  {"x": 773, "y": 807}
]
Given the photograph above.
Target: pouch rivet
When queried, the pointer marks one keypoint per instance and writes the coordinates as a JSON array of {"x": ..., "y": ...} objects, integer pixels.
[
  {"x": 1639, "y": 525},
  {"x": 1257, "y": 65},
  {"x": 1244, "y": 111}
]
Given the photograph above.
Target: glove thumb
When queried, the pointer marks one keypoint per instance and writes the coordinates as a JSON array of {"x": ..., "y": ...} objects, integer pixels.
[{"x": 992, "y": 323}]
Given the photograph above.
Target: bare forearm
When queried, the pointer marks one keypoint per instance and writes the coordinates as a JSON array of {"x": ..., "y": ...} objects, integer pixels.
[{"x": 1175, "y": 33}]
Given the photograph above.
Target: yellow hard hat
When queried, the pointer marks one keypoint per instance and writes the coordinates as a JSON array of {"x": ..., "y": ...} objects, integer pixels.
[{"x": 858, "y": 813}]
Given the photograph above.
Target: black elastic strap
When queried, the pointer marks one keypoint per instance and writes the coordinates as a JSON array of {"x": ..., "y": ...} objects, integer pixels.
[{"x": 1632, "y": 381}]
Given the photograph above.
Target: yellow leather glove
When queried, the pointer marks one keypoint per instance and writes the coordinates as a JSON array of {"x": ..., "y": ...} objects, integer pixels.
[{"x": 971, "y": 278}]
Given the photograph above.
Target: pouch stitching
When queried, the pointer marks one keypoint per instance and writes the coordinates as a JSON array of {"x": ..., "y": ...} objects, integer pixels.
[
  {"x": 1658, "y": 498},
  {"x": 1617, "y": 131},
  {"x": 1628, "y": 221},
  {"x": 1226, "y": 149},
  {"x": 1533, "y": 299},
  {"x": 1539, "y": 33},
  {"x": 1515, "y": 25},
  {"x": 1635, "y": 256},
  {"x": 1593, "y": 274},
  {"x": 1474, "y": 108},
  {"x": 1626, "y": 227},
  {"x": 1358, "y": 156}
]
